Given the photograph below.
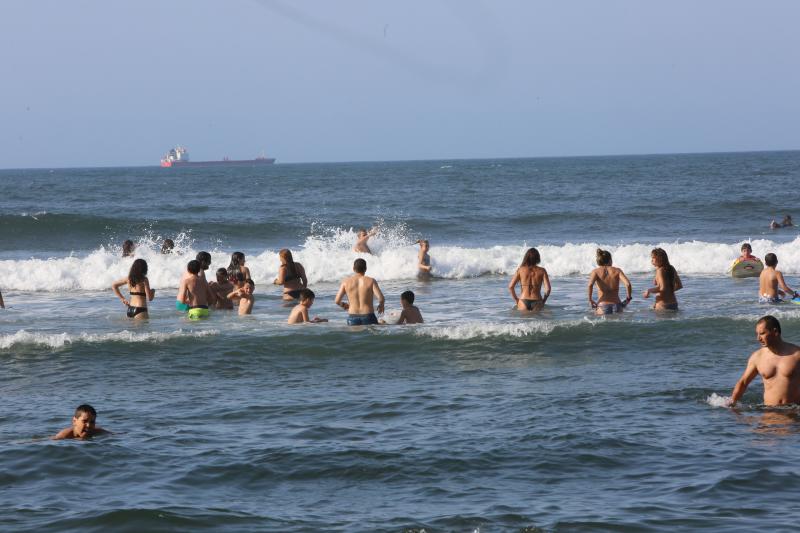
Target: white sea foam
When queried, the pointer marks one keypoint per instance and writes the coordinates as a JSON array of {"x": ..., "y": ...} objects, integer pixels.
[
  {"x": 59, "y": 340},
  {"x": 328, "y": 257},
  {"x": 483, "y": 330},
  {"x": 715, "y": 400}
]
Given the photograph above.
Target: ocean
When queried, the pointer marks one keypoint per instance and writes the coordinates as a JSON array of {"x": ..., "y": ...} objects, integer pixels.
[{"x": 482, "y": 419}]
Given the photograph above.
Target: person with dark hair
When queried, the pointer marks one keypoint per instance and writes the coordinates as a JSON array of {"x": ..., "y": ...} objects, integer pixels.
[
  {"x": 291, "y": 275},
  {"x": 531, "y": 278},
  {"x": 204, "y": 258},
  {"x": 666, "y": 282},
  {"x": 769, "y": 282},
  {"x": 299, "y": 314},
  {"x": 787, "y": 221},
  {"x": 237, "y": 265},
  {"x": 167, "y": 246},
  {"x": 410, "y": 313},
  {"x": 778, "y": 363},
  {"x": 360, "y": 290},
  {"x": 127, "y": 248},
  {"x": 361, "y": 247},
  {"x": 194, "y": 291},
  {"x": 747, "y": 253},
  {"x": 244, "y": 295},
  {"x": 607, "y": 279},
  {"x": 139, "y": 288},
  {"x": 221, "y": 288},
  {"x": 83, "y": 425}
]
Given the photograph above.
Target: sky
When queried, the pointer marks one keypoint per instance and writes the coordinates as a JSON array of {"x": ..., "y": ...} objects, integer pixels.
[{"x": 99, "y": 83}]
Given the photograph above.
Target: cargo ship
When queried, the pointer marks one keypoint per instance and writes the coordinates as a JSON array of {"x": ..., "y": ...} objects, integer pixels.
[{"x": 179, "y": 157}]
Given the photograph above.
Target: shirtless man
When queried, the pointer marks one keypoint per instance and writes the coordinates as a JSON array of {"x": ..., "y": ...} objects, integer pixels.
[
  {"x": 769, "y": 280},
  {"x": 196, "y": 292},
  {"x": 181, "y": 302},
  {"x": 83, "y": 425},
  {"x": 778, "y": 363},
  {"x": 360, "y": 290},
  {"x": 531, "y": 278},
  {"x": 221, "y": 287},
  {"x": 607, "y": 279},
  {"x": 361, "y": 243}
]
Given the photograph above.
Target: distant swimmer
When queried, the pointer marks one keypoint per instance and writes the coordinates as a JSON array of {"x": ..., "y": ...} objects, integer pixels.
[
  {"x": 360, "y": 291},
  {"x": 424, "y": 269},
  {"x": 787, "y": 221},
  {"x": 770, "y": 282},
  {"x": 196, "y": 293},
  {"x": 236, "y": 265},
  {"x": 139, "y": 287},
  {"x": 361, "y": 241},
  {"x": 666, "y": 282},
  {"x": 778, "y": 364},
  {"x": 2, "y": 304},
  {"x": 774, "y": 225},
  {"x": 244, "y": 296},
  {"x": 747, "y": 253},
  {"x": 167, "y": 246},
  {"x": 83, "y": 425},
  {"x": 291, "y": 275},
  {"x": 530, "y": 277},
  {"x": 221, "y": 288},
  {"x": 410, "y": 313},
  {"x": 127, "y": 248},
  {"x": 607, "y": 279},
  {"x": 299, "y": 314}
]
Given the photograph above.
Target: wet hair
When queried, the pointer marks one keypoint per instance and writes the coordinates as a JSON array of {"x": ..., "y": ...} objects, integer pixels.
[
  {"x": 239, "y": 277},
  {"x": 360, "y": 265},
  {"x": 222, "y": 272},
  {"x": 137, "y": 273},
  {"x": 603, "y": 257},
  {"x": 408, "y": 296},
  {"x": 237, "y": 258},
  {"x": 85, "y": 408},
  {"x": 771, "y": 260},
  {"x": 204, "y": 258},
  {"x": 167, "y": 247},
  {"x": 771, "y": 322},
  {"x": 307, "y": 294},
  {"x": 532, "y": 258},
  {"x": 662, "y": 261},
  {"x": 127, "y": 248},
  {"x": 288, "y": 262},
  {"x": 193, "y": 266},
  {"x": 746, "y": 246}
]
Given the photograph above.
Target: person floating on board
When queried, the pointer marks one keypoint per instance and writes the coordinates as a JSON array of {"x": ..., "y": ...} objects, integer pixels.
[
  {"x": 83, "y": 425},
  {"x": 778, "y": 363},
  {"x": 747, "y": 253},
  {"x": 770, "y": 282}
]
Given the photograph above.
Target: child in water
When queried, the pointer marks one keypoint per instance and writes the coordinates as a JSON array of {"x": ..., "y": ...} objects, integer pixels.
[
  {"x": 245, "y": 296},
  {"x": 83, "y": 425},
  {"x": 299, "y": 314},
  {"x": 410, "y": 313}
]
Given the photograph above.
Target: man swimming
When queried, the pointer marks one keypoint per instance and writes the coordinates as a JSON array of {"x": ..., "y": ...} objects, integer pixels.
[
  {"x": 769, "y": 282},
  {"x": 778, "y": 364},
  {"x": 360, "y": 290},
  {"x": 83, "y": 425}
]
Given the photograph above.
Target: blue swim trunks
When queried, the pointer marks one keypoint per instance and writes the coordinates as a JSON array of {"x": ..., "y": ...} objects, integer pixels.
[
  {"x": 609, "y": 309},
  {"x": 180, "y": 306},
  {"x": 362, "y": 320}
]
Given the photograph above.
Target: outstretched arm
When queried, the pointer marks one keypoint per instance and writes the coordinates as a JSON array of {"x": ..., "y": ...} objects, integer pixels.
[
  {"x": 783, "y": 284},
  {"x": 749, "y": 374}
]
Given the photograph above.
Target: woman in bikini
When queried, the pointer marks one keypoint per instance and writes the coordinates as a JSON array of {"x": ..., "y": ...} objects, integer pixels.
[
  {"x": 291, "y": 275},
  {"x": 531, "y": 277},
  {"x": 666, "y": 282},
  {"x": 607, "y": 279},
  {"x": 236, "y": 266},
  {"x": 139, "y": 288}
]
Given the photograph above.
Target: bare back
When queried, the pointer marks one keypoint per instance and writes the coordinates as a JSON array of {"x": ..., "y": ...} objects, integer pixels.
[
  {"x": 667, "y": 288},
  {"x": 530, "y": 282},
  {"x": 197, "y": 291},
  {"x": 360, "y": 290},
  {"x": 607, "y": 280},
  {"x": 769, "y": 281}
]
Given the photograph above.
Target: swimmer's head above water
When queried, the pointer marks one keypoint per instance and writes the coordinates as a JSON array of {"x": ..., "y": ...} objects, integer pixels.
[
  {"x": 360, "y": 266},
  {"x": 532, "y": 258},
  {"x": 603, "y": 257},
  {"x": 204, "y": 258}
]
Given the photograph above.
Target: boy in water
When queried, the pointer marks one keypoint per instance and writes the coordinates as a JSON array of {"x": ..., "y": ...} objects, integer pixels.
[
  {"x": 747, "y": 253},
  {"x": 245, "y": 296},
  {"x": 769, "y": 282},
  {"x": 361, "y": 243},
  {"x": 300, "y": 312},
  {"x": 82, "y": 425},
  {"x": 410, "y": 313},
  {"x": 221, "y": 288}
]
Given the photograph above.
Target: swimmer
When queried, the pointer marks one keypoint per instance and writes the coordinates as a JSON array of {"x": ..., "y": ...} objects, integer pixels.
[
  {"x": 666, "y": 282},
  {"x": 410, "y": 313},
  {"x": 424, "y": 269},
  {"x": 300, "y": 312},
  {"x": 361, "y": 246},
  {"x": 83, "y": 425},
  {"x": 778, "y": 364},
  {"x": 607, "y": 279},
  {"x": 769, "y": 282},
  {"x": 2, "y": 304},
  {"x": 221, "y": 287},
  {"x": 774, "y": 225},
  {"x": 787, "y": 221},
  {"x": 291, "y": 275},
  {"x": 167, "y": 246},
  {"x": 244, "y": 295},
  {"x": 360, "y": 290},
  {"x": 747, "y": 253},
  {"x": 237, "y": 265},
  {"x": 196, "y": 293},
  {"x": 139, "y": 288},
  {"x": 531, "y": 277},
  {"x": 127, "y": 248}
]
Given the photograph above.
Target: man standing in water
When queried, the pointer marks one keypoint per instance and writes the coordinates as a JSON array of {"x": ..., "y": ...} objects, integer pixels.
[
  {"x": 778, "y": 363},
  {"x": 360, "y": 290}
]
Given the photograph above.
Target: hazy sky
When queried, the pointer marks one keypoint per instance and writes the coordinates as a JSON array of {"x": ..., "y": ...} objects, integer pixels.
[{"x": 99, "y": 82}]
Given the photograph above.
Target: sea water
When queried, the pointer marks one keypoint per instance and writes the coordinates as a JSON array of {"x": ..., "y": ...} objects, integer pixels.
[{"x": 481, "y": 419}]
